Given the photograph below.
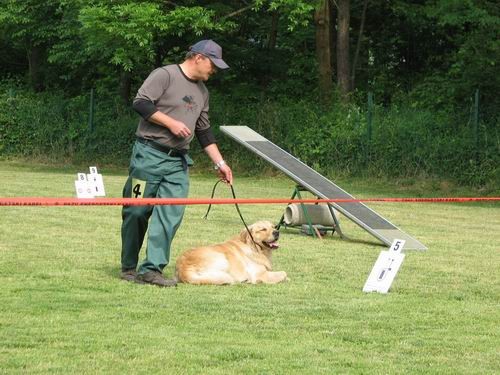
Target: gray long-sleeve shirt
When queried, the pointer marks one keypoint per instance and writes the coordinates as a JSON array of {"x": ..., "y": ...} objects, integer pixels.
[{"x": 177, "y": 96}]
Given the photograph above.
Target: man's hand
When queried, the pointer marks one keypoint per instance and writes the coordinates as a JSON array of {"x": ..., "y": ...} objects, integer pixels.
[
  {"x": 179, "y": 129},
  {"x": 223, "y": 169},
  {"x": 226, "y": 174}
]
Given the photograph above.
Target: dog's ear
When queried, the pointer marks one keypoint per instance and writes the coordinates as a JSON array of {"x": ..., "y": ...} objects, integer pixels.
[{"x": 244, "y": 236}]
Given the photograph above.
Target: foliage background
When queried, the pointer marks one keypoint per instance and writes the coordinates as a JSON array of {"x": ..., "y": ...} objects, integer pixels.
[{"x": 423, "y": 61}]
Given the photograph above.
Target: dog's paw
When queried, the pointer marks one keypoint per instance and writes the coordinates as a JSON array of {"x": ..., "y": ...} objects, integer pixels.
[{"x": 284, "y": 276}]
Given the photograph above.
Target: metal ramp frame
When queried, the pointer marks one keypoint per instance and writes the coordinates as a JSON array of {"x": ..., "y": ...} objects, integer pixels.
[
  {"x": 312, "y": 229},
  {"x": 317, "y": 184}
]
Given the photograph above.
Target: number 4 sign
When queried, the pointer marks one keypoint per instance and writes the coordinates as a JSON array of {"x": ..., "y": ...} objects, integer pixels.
[{"x": 385, "y": 269}]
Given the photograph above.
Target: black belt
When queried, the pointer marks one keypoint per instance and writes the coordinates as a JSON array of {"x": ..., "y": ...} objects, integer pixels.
[{"x": 167, "y": 150}]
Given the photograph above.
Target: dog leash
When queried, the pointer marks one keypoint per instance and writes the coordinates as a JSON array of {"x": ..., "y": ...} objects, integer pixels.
[{"x": 236, "y": 205}]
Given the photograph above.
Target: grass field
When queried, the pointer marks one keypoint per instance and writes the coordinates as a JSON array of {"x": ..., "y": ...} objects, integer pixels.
[{"x": 64, "y": 310}]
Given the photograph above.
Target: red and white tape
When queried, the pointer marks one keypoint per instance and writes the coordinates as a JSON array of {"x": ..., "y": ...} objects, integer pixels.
[{"x": 46, "y": 201}]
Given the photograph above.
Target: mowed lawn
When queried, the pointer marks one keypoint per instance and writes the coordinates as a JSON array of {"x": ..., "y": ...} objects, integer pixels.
[{"x": 63, "y": 308}]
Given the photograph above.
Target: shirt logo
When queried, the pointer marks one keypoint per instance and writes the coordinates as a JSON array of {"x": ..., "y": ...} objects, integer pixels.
[{"x": 190, "y": 104}]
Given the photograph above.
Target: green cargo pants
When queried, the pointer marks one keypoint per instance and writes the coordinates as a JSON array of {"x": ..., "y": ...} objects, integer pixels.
[{"x": 152, "y": 174}]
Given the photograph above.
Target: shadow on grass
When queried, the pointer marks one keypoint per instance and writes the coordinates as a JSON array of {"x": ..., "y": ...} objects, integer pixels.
[{"x": 297, "y": 233}]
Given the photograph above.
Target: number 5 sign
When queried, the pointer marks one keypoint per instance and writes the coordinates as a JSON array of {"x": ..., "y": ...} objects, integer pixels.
[{"x": 385, "y": 269}]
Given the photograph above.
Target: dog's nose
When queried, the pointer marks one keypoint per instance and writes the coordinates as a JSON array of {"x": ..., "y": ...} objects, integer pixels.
[{"x": 276, "y": 234}]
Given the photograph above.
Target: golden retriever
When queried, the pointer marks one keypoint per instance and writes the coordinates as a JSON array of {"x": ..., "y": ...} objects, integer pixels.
[{"x": 238, "y": 260}]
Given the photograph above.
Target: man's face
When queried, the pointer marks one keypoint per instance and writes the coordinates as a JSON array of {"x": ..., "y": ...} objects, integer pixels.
[{"x": 205, "y": 67}]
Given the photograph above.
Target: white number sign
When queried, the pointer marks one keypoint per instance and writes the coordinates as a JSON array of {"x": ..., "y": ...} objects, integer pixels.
[{"x": 385, "y": 269}]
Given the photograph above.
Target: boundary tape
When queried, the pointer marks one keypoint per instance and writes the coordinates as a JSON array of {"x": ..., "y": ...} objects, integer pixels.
[{"x": 46, "y": 201}]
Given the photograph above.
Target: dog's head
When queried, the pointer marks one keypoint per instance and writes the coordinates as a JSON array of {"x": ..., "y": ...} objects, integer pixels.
[{"x": 263, "y": 233}]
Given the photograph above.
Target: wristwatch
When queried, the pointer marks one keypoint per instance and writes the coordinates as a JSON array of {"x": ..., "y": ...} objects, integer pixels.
[{"x": 219, "y": 165}]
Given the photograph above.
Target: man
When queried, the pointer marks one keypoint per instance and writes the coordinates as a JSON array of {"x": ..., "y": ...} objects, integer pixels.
[{"x": 173, "y": 103}]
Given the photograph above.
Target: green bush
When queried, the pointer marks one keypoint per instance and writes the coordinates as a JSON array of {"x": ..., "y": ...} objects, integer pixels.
[
  {"x": 405, "y": 141},
  {"x": 411, "y": 142},
  {"x": 54, "y": 127}
]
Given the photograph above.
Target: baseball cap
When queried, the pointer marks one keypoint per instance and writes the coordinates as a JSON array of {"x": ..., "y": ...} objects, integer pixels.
[{"x": 211, "y": 50}]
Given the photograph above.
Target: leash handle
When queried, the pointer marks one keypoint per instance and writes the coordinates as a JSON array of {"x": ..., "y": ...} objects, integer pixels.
[{"x": 236, "y": 205}]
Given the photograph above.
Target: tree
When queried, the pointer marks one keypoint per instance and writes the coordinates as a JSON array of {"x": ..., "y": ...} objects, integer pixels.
[
  {"x": 343, "y": 42},
  {"x": 323, "y": 53},
  {"x": 432, "y": 52},
  {"x": 125, "y": 34},
  {"x": 32, "y": 27},
  {"x": 358, "y": 44},
  {"x": 472, "y": 60}
]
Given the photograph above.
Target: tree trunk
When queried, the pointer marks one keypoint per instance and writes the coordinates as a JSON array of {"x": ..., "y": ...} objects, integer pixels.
[
  {"x": 343, "y": 71},
  {"x": 125, "y": 86},
  {"x": 158, "y": 52},
  {"x": 273, "y": 33},
  {"x": 333, "y": 36},
  {"x": 35, "y": 76},
  {"x": 323, "y": 52},
  {"x": 358, "y": 45}
]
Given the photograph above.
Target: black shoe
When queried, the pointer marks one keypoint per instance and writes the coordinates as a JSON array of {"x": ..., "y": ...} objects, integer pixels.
[
  {"x": 128, "y": 275},
  {"x": 155, "y": 278}
]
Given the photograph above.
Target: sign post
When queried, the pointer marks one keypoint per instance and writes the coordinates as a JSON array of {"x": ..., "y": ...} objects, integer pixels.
[{"x": 385, "y": 269}]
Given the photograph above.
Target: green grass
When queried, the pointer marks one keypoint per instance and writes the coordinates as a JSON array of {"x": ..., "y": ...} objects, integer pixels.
[{"x": 64, "y": 310}]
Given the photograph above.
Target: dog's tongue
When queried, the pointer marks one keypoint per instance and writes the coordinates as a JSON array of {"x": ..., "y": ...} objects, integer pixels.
[{"x": 273, "y": 245}]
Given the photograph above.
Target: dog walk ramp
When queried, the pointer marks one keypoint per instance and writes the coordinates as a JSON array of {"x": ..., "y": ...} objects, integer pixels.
[{"x": 317, "y": 184}]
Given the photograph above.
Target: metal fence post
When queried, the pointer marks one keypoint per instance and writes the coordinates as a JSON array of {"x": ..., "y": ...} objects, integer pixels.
[
  {"x": 369, "y": 121},
  {"x": 475, "y": 121},
  {"x": 370, "y": 115},
  {"x": 91, "y": 111}
]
